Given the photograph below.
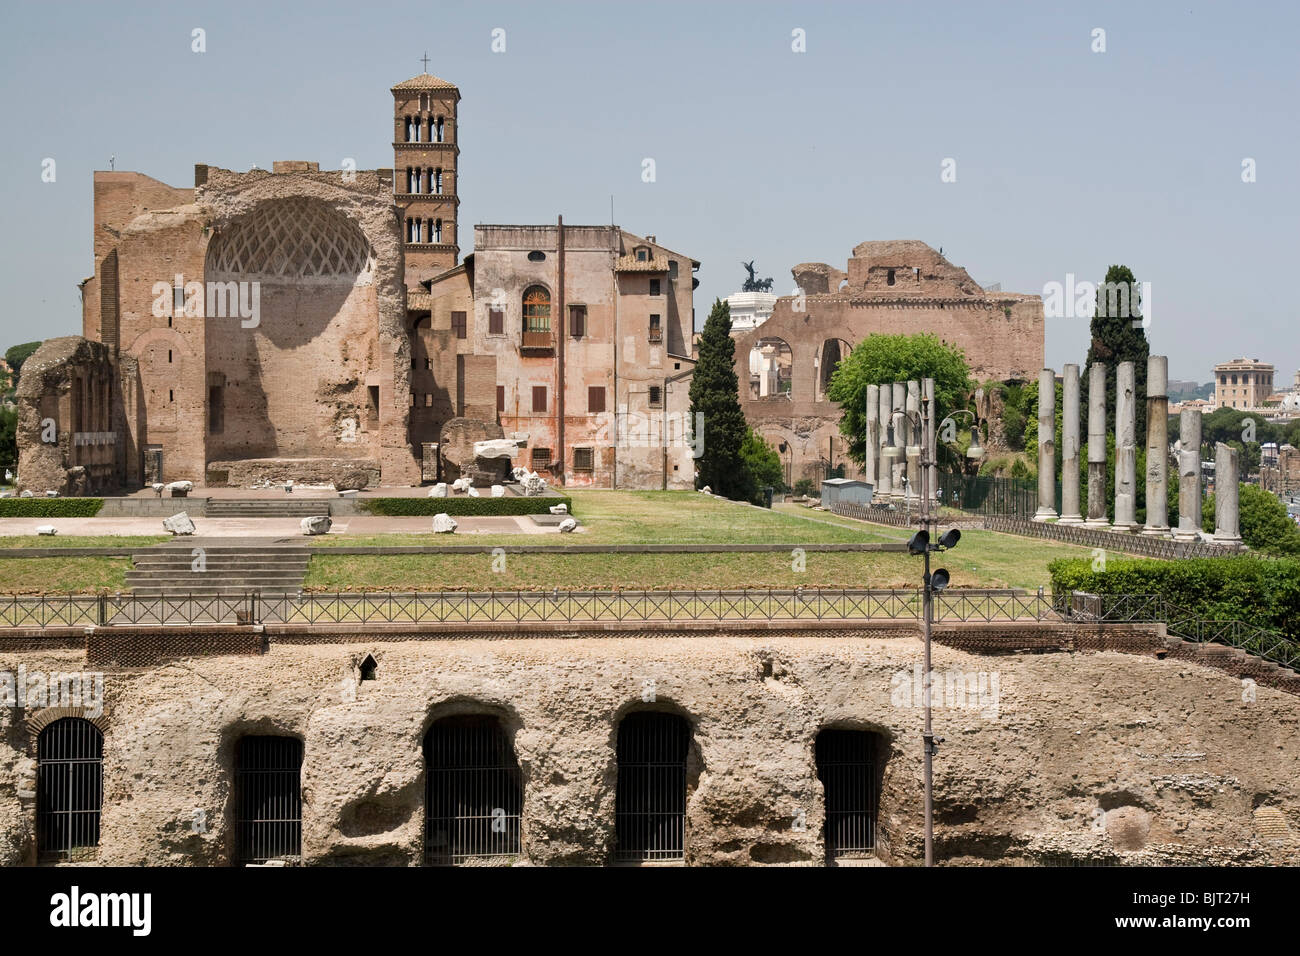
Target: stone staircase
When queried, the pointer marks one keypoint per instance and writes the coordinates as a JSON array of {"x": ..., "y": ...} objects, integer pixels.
[
  {"x": 229, "y": 568},
  {"x": 1235, "y": 661},
  {"x": 266, "y": 507}
]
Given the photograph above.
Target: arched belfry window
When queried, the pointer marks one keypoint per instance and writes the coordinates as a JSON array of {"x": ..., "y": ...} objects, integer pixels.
[
  {"x": 268, "y": 795},
  {"x": 473, "y": 791},
  {"x": 69, "y": 787},
  {"x": 848, "y": 767},
  {"x": 650, "y": 802},
  {"x": 440, "y": 129},
  {"x": 537, "y": 310}
]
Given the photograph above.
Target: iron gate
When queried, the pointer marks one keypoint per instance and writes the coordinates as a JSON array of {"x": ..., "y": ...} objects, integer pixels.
[
  {"x": 268, "y": 772},
  {"x": 846, "y": 765},
  {"x": 472, "y": 792},
  {"x": 69, "y": 787},
  {"x": 650, "y": 803}
]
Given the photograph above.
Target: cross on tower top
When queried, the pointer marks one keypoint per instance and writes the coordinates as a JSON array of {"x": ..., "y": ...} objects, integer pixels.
[{"x": 425, "y": 60}]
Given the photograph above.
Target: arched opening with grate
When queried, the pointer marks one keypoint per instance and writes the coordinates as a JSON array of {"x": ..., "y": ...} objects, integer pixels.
[
  {"x": 69, "y": 788},
  {"x": 650, "y": 800},
  {"x": 833, "y": 351},
  {"x": 268, "y": 798},
  {"x": 849, "y": 767},
  {"x": 473, "y": 794}
]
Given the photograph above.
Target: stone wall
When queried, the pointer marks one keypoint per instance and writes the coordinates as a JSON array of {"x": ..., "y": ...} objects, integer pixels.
[
  {"x": 1086, "y": 757},
  {"x": 893, "y": 287}
]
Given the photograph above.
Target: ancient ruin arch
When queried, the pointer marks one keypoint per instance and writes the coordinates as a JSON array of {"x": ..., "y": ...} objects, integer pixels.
[
  {"x": 293, "y": 238},
  {"x": 268, "y": 798},
  {"x": 69, "y": 787},
  {"x": 771, "y": 369},
  {"x": 831, "y": 353},
  {"x": 652, "y": 750},
  {"x": 849, "y": 765},
  {"x": 473, "y": 793}
]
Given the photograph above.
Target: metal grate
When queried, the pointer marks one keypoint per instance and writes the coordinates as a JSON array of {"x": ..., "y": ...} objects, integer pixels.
[
  {"x": 268, "y": 772},
  {"x": 473, "y": 793},
  {"x": 69, "y": 787},
  {"x": 846, "y": 766},
  {"x": 650, "y": 804}
]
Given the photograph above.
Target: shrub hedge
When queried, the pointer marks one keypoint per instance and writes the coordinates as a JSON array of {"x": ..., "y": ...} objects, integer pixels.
[
  {"x": 50, "y": 507},
  {"x": 463, "y": 507},
  {"x": 1263, "y": 593}
]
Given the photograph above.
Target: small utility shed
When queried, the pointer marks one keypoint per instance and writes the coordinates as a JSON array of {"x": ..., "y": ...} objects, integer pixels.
[{"x": 845, "y": 491}]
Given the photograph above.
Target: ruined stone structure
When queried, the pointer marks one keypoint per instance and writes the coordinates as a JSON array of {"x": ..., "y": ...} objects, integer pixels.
[
  {"x": 301, "y": 324},
  {"x": 895, "y": 287},
  {"x": 1085, "y": 757}
]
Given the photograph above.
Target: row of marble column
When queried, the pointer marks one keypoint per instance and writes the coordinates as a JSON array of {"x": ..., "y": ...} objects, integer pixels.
[
  {"x": 1226, "y": 468},
  {"x": 895, "y": 439}
]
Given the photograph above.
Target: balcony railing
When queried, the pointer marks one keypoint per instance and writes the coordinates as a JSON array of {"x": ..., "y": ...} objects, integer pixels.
[
  {"x": 537, "y": 340},
  {"x": 656, "y": 335}
]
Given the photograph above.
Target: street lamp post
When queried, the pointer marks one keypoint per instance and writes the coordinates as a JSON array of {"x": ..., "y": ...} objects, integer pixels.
[{"x": 933, "y": 582}]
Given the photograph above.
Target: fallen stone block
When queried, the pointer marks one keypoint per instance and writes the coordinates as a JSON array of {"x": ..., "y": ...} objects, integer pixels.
[
  {"x": 472, "y": 491},
  {"x": 348, "y": 493},
  {"x": 179, "y": 524},
  {"x": 498, "y": 491},
  {"x": 27, "y": 493},
  {"x": 444, "y": 524},
  {"x": 567, "y": 525},
  {"x": 495, "y": 448},
  {"x": 519, "y": 474},
  {"x": 534, "y": 485},
  {"x": 439, "y": 490},
  {"x": 46, "y": 529},
  {"x": 560, "y": 509},
  {"x": 179, "y": 489},
  {"x": 51, "y": 494},
  {"x": 316, "y": 524}
]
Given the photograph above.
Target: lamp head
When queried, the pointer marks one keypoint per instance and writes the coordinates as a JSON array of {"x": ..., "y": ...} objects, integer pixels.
[
  {"x": 939, "y": 579},
  {"x": 919, "y": 542},
  {"x": 950, "y": 538}
]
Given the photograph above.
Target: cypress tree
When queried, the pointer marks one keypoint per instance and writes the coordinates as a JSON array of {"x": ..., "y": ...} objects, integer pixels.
[
  {"x": 715, "y": 396},
  {"x": 1116, "y": 338}
]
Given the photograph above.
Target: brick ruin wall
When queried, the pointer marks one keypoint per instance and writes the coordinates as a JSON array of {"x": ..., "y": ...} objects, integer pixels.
[{"x": 1088, "y": 757}]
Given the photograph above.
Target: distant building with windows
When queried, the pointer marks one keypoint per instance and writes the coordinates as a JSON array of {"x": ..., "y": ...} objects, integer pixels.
[{"x": 1242, "y": 383}]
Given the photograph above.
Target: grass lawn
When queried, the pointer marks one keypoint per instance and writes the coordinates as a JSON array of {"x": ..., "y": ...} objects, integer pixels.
[
  {"x": 982, "y": 559},
  {"x": 81, "y": 541},
  {"x": 661, "y": 517},
  {"x": 61, "y": 575}
]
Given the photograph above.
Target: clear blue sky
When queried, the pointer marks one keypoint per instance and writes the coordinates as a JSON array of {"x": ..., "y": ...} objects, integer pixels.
[{"x": 1067, "y": 160}]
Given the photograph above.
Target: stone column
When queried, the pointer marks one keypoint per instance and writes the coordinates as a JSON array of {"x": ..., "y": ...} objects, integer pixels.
[
  {"x": 914, "y": 439},
  {"x": 1189, "y": 476},
  {"x": 1097, "y": 447},
  {"x": 1157, "y": 446},
  {"x": 884, "y": 464},
  {"x": 1070, "y": 447},
  {"x": 898, "y": 402},
  {"x": 1227, "y": 517},
  {"x": 927, "y": 392},
  {"x": 873, "y": 436},
  {"x": 1125, "y": 449},
  {"x": 1046, "y": 446}
]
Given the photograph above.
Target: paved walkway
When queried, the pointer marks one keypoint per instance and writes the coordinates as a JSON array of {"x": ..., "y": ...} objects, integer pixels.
[{"x": 276, "y": 527}]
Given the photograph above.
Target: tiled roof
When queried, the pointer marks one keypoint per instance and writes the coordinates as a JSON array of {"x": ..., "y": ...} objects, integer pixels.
[
  {"x": 425, "y": 81},
  {"x": 631, "y": 264}
]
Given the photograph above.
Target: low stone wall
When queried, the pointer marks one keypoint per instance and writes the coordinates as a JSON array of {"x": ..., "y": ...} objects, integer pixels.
[
  {"x": 1078, "y": 757},
  {"x": 153, "y": 507},
  {"x": 341, "y": 472}
]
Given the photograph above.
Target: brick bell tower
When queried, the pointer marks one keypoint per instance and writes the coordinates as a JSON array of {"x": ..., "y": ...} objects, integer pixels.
[{"x": 425, "y": 151}]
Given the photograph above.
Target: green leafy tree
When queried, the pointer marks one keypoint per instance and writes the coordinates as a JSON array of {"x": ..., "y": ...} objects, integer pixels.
[
  {"x": 715, "y": 396},
  {"x": 882, "y": 359},
  {"x": 16, "y": 355},
  {"x": 8, "y": 440},
  {"x": 762, "y": 466},
  {"x": 1265, "y": 525},
  {"x": 1118, "y": 336}
]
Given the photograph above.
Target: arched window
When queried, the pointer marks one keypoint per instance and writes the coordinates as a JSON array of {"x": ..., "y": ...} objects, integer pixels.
[
  {"x": 537, "y": 314},
  {"x": 440, "y": 129},
  {"x": 437, "y": 230},
  {"x": 268, "y": 798},
  {"x": 650, "y": 803},
  {"x": 833, "y": 351},
  {"x": 473, "y": 793},
  {"x": 69, "y": 787},
  {"x": 437, "y": 181},
  {"x": 848, "y": 769}
]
